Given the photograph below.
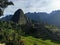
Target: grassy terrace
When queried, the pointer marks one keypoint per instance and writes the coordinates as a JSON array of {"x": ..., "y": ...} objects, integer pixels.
[{"x": 30, "y": 41}]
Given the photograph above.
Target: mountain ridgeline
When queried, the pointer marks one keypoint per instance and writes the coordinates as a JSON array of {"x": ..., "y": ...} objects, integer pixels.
[
  {"x": 18, "y": 17},
  {"x": 34, "y": 23},
  {"x": 13, "y": 27},
  {"x": 53, "y": 18}
]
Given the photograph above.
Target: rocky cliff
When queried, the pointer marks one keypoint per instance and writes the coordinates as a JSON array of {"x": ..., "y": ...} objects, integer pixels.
[{"x": 19, "y": 17}]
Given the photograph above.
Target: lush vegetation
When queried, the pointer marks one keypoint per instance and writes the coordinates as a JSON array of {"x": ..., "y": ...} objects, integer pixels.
[
  {"x": 37, "y": 41},
  {"x": 10, "y": 33},
  {"x": 29, "y": 33},
  {"x": 15, "y": 34}
]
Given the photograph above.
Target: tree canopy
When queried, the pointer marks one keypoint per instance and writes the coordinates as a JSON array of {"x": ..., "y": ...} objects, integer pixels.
[{"x": 4, "y": 4}]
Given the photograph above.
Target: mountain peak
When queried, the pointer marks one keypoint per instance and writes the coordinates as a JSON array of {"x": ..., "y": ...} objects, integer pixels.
[{"x": 19, "y": 17}]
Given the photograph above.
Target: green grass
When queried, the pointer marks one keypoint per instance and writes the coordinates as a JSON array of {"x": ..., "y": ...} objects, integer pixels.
[{"x": 30, "y": 41}]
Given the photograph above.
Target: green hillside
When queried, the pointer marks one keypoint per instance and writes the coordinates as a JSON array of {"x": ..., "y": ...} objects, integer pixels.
[
  {"x": 11, "y": 33},
  {"x": 30, "y": 41},
  {"x": 21, "y": 30}
]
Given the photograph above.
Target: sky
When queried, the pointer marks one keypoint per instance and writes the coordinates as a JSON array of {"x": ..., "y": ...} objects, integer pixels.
[{"x": 33, "y": 6}]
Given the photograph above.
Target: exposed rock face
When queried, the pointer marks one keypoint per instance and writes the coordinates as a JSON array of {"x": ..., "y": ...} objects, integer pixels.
[{"x": 19, "y": 17}]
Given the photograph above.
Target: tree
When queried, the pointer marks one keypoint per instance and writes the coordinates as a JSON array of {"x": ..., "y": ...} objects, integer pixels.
[
  {"x": 10, "y": 33},
  {"x": 3, "y": 5}
]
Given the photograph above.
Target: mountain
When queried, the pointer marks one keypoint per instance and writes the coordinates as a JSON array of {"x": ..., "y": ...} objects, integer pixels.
[
  {"x": 19, "y": 17},
  {"x": 34, "y": 23},
  {"x": 53, "y": 18},
  {"x": 41, "y": 16},
  {"x": 6, "y": 18}
]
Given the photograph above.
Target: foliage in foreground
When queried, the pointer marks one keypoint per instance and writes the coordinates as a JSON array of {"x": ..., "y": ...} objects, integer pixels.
[
  {"x": 10, "y": 33},
  {"x": 15, "y": 34},
  {"x": 31, "y": 41}
]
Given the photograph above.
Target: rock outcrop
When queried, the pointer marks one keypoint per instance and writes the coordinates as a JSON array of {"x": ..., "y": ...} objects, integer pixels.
[{"x": 19, "y": 17}]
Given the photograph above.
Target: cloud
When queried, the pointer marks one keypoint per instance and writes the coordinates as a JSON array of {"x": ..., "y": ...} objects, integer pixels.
[{"x": 33, "y": 6}]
